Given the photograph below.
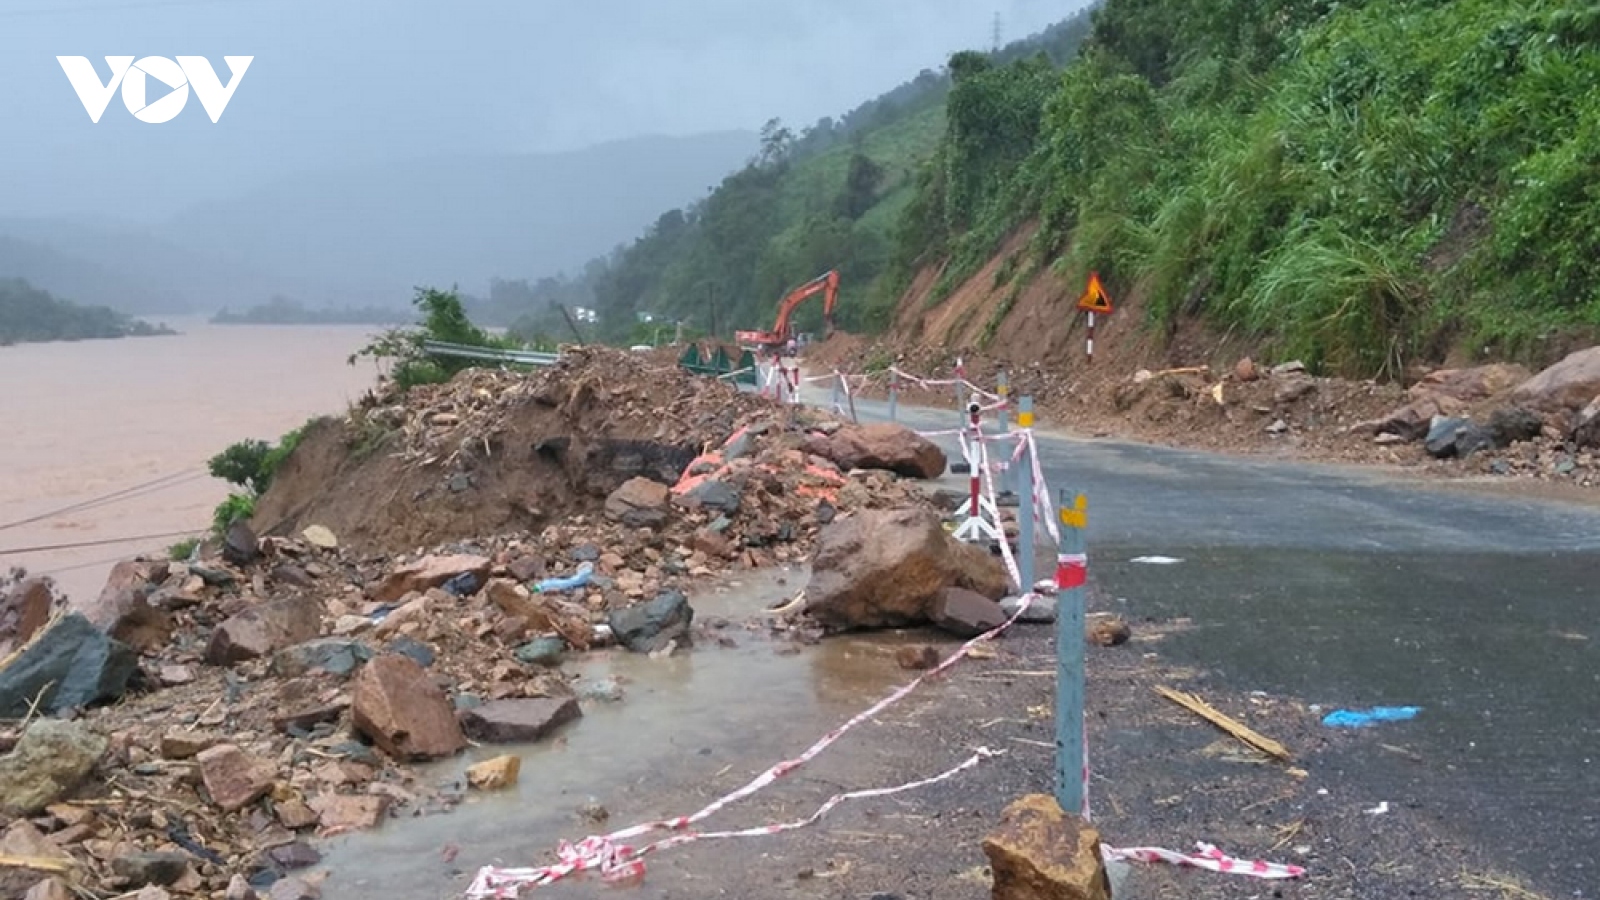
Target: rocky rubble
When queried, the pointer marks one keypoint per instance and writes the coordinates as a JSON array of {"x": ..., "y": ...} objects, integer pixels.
[{"x": 280, "y": 687}]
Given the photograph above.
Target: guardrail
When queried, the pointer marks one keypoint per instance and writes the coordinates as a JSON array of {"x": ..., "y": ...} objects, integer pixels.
[{"x": 463, "y": 351}]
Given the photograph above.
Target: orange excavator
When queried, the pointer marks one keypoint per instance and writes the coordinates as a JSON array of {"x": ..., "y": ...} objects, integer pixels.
[{"x": 781, "y": 332}]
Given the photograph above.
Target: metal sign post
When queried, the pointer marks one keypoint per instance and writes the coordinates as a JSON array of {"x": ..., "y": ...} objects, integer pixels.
[
  {"x": 1025, "y": 488},
  {"x": 1072, "y": 567}
]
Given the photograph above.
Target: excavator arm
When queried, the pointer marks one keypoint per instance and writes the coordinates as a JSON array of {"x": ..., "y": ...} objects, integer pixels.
[{"x": 826, "y": 284}]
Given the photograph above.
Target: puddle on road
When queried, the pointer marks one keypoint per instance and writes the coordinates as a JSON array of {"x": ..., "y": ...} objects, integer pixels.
[{"x": 689, "y": 728}]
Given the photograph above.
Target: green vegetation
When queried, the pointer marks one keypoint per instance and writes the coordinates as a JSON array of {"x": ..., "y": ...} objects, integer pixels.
[
  {"x": 444, "y": 319},
  {"x": 31, "y": 315},
  {"x": 1350, "y": 181},
  {"x": 284, "y": 311},
  {"x": 830, "y": 197},
  {"x": 249, "y": 465}
]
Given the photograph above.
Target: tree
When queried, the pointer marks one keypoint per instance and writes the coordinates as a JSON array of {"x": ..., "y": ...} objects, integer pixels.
[{"x": 860, "y": 186}]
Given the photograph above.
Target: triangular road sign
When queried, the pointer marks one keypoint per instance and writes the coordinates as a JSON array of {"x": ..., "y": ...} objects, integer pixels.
[{"x": 1095, "y": 299}]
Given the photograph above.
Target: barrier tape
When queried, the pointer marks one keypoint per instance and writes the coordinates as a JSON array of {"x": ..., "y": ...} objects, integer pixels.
[
  {"x": 1206, "y": 857},
  {"x": 615, "y": 860}
]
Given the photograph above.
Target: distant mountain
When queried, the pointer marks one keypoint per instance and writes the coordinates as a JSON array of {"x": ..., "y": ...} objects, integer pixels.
[
  {"x": 370, "y": 235},
  {"x": 367, "y": 236}
]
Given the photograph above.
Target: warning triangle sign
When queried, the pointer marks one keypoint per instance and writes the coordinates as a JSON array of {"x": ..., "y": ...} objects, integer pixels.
[{"x": 1095, "y": 299}]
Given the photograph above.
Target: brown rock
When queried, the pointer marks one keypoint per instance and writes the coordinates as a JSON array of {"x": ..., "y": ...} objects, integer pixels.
[
  {"x": 494, "y": 774},
  {"x": 527, "y": 568},
  {"x": 293, "y": 889},
  {"x": 185, "y": 744},
  {"x": 712, "y": 544},
  {"x": 430, "y": 572},
  {"x": 350, "y": 812},
  {"x": 916, "y": 657},
  {"x": 965, "y": 613},
  {"x": 1567, "y": 386},
  {"x": 519, "y": 721},
  {"x": 175, "y": 675},
  {"x": 885, "y": 445},
  {"x": 262, "y": 629},
  {"x": 1108, "y": 631},
  {"x": 233, "y": 778},
  {"x": 885, "y": 567},
  {"x": 398, "y": 706},
  {"x": 295, "y": 814},
  {"x": 25, "y": 610},
  {"x": 639, "y": 503},
  {"x": 1039, "y": 852},
  {"x": 518, "y": 602},
  {"x": 1446, "y": 392},
  {"x": 1245, "y": 370},
  {"x": 240, "y": 889}
]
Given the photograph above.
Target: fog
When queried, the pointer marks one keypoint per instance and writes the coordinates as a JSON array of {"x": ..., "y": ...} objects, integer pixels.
[{"x": 337, "y": 89}]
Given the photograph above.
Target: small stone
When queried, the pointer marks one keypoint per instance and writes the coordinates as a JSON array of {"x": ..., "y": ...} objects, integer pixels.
[
  {"x": 917, "y": 657},
  {"x": 239, "y": 889},
  {"x": 527, "y": 568},
  {"x": 185, "y": 744},
  {"x": 545, "y": 651},
  {"x": 350, "y": 812},
  {"x": 150, "y": 868},
  {"x": 1041, "y": 610},
  {"x": 419, "y": 652},
  {"x": 295, "y": 814},
  {"x": 606, "y": 689},
  {"x": 48, "y": 889},
  {"x": 298, "y": 855},
  {"x": 233, "y": 778},
  {"x": 403, "y": 711},
  {"x": 240, "y": 545},
  {"x": 318, "y": 536},
  {"x": 176, "y": 675},
  {"x": 1278, "y": 426},
  {"x": 651, "y": 626},
  {"x": 1039, "y": 852},
  {"x": 51, "y": 760},
  {"x": 494, "y": 774},
  {"x": 1108, "y": 631},
  {"x": 965, "y": 613},
  {"x": 293, "y": 889},
  {"x": 336, "y": 656}
]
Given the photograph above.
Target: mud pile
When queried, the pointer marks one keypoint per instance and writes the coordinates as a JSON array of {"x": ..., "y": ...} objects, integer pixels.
[{"x": 495, "y": 451}]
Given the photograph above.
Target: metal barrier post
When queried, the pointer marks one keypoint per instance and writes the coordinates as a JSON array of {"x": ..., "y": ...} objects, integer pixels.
[
  {"x": 1072, "y": 567},
  {"x": 894, "y": 396},
  {"x": 833, "y": 402},
  {"x": 1025, "y": 489},
  {"x": 961, "y": 392},
  {"x": 1003, "y": 388}
]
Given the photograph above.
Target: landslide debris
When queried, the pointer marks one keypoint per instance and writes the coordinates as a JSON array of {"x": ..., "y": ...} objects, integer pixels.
[{"x": 270, "y": 697}]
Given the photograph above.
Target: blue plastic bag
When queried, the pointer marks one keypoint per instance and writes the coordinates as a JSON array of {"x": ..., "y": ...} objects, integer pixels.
[{"x": 1349, "y": 718}]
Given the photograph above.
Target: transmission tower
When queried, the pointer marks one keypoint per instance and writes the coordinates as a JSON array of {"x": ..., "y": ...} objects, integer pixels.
[{"x": 996, "y": 36}]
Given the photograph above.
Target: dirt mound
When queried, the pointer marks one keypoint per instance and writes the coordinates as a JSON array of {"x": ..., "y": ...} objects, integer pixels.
[{"x": 495, "y": 451}]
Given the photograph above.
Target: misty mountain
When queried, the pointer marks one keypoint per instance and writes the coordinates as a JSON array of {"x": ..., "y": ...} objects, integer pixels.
[
  {"x": 359, "y": 236},
  {"x": 369, "y": 235}
]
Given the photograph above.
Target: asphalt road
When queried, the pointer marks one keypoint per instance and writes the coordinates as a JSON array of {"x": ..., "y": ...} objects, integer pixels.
[{"x": 1350, "y": 588}]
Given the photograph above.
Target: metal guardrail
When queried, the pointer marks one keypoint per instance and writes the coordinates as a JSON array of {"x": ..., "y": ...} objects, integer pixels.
[{"x": 463, "y": 351}]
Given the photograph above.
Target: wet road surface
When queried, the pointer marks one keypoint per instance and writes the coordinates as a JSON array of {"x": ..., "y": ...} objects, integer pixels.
[{"x": 1349, "y": 588}]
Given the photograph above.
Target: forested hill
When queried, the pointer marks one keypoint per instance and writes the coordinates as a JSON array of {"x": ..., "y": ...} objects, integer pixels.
[
  {"x": 1361, "y": 183},
  {"x": 828, "y": 197},
  {"x": 28, "y": 315}
]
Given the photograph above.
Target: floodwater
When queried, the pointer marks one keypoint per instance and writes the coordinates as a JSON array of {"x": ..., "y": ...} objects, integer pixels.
[
  {"x": 138, "y": 418},
  {"x": 690, "y": 728}
]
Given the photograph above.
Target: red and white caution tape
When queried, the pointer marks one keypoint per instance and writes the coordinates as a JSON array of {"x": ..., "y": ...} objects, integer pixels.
[
  {"x": 615, "y": 860},
  {"x": 1206, "y": 857}
]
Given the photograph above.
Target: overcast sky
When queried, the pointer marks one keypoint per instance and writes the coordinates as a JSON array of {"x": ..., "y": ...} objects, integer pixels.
[{"x": 341, "y": 81}]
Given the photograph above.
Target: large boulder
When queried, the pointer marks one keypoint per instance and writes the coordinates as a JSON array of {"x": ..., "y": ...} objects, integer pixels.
[
  {"x": 1448, "y": 392},
  {"x": 1565, "y": 387},
  {"x": 1039, "y": 852},
  {"x": 432, "y": 572},
  {"x": 70, "y": 663},
  {"x": 263, "y": 629},
  {"x": 639, "y": 503},
  {"x": 123, "y": 609},
  {"x": 1586, "y": 429},
  {"x": 403, "y": 711},
  {"x": 49, "y": 762},
  {"x": 884, "y": 568},
  {"x": 885, "y": 445}
]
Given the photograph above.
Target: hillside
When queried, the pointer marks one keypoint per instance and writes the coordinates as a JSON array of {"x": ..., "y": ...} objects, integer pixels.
[
  {"x": 29, "y": 315},
  {"x": 829, "y": 197},
  {"x": 1366, "y": 186}
]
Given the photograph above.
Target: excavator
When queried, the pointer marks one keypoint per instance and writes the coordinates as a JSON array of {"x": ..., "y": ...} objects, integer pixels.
[{"x": 774, "y": 340}]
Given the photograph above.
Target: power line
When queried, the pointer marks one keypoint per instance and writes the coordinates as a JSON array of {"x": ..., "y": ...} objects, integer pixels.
[
  {"x": 100, "y": 543},
  {"x": 149, "y": 487}
]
